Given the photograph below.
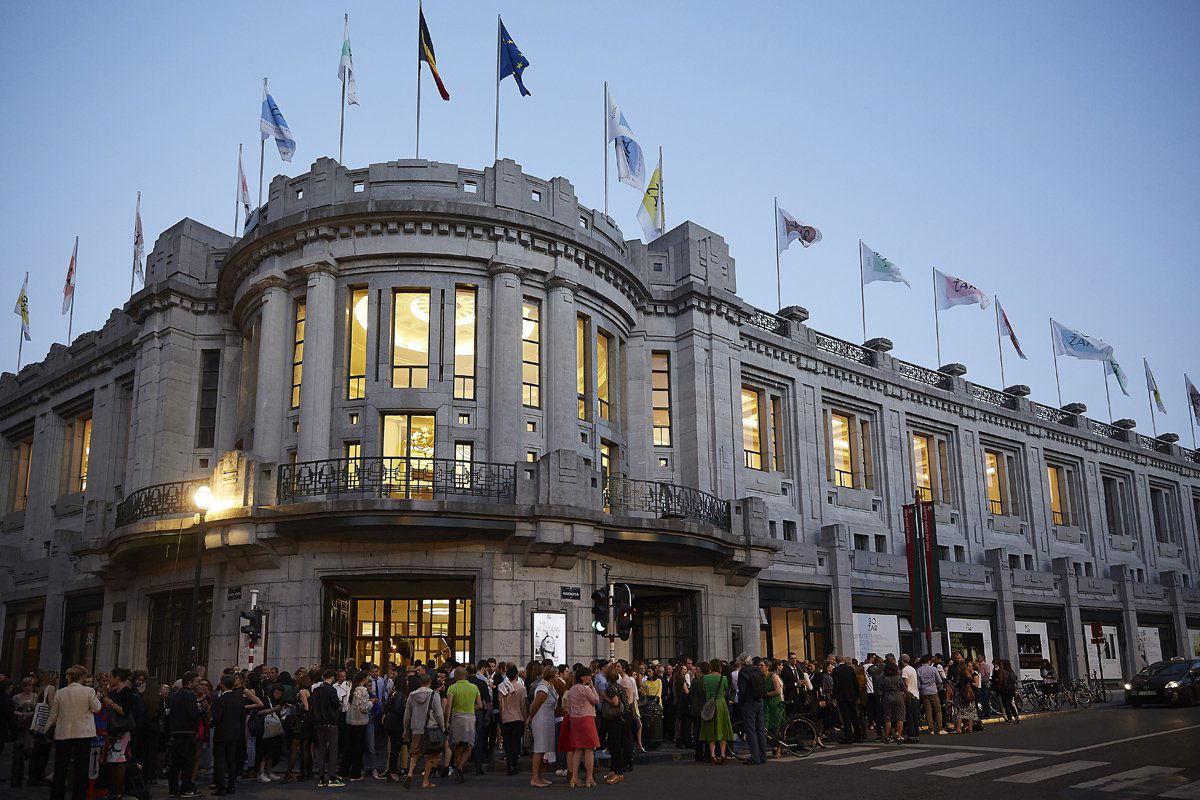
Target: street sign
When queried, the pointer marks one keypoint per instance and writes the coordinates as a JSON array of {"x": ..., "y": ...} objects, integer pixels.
[
  {"x": 233, "y": 593},
  {"x": 1097, "y": 633},
  {"x": 570, "y": 593}
]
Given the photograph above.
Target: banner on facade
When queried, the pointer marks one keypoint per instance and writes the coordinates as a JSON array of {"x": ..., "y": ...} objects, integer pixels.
[
  {"x": 1110, "y": 652},
  {"x": 1033, "y": 647},
  {"x": 924, "y": 575},
  {"x": 971, "y": 637},
  {"x": 876, "y": 633},
  {"x": 1149, "y": 647}
]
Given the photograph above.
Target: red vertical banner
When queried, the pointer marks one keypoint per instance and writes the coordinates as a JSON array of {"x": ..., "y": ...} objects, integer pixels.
[
  {"x": 937, "y": 617},
  {"x": 916, "y": 573}
]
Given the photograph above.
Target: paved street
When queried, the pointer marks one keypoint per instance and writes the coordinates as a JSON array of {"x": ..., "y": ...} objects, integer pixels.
[{"x": 1106, "y": 752}]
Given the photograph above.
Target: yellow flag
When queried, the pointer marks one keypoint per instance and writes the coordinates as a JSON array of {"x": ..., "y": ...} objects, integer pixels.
[{"x": 650, "y": 213}]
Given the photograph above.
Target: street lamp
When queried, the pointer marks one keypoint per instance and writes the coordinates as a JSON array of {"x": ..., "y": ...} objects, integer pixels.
[{"x": 202, "y": 499}]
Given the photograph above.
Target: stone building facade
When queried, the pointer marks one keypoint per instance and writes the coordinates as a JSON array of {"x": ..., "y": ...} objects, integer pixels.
[{"x": 432, "y": 402}]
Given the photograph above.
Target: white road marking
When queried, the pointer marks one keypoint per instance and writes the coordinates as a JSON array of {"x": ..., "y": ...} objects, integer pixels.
[
  {"x": 897, "y": 751},
  {"x": 1189, "y": 791},
  {"x": 1124, "y": 780},
  {"x": 838, "y": 751},
  {"x": 964, "y": 770},
  {"x": 923, "y": 762},
  {"x": 1126, "y": 739},
  {"x": 1054, "y": 771}
]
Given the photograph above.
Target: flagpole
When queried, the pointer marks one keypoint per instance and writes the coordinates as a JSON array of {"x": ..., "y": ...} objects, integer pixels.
[
  {"x": 417, "y": 153},
  {"x": 21, "y": 345},
  {"x": 496, "y": 138},
  {"x": 71, "y": 311},
  {"x": 778, "y": 280},
  {"x": 862, "y": 286},
  {"x": 937, "y": 326},
  {"x": 1000, "y": 344},
  {"x": 662, "y": 192},
  {"x": 237, "y": 192},
  {"x": 262, "y": 144},
  {"x": 1054, "y": 350},
  {"x": 1107, "y": 397},
  {"x": 604, "y": 133},
  {"x": 342, "y": 124},
  {"x": 1149, "y": 398}
]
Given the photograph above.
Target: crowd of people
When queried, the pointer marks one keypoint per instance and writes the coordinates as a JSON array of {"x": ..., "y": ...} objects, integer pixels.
[{"x": 124, "y": 731}]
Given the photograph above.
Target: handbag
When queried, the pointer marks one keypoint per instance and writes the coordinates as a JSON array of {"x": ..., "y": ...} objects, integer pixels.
[
  {"x": 272, "y": 726},
  {"x": 41, "y": 717},
  {"x": 120, "y": 724},
  {"x": 435, "y": 737},
  {"x": 710, "y": 708}
]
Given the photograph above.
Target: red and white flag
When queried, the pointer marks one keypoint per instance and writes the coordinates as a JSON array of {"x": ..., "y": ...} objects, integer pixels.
[
  {"x": 1193, "y": 396},
  {"x": 951, "y": 291},
  {"x": 1006, "y": 329},
  {"x": 69, "y": 286},
  {"x": 243, "y": 188}
]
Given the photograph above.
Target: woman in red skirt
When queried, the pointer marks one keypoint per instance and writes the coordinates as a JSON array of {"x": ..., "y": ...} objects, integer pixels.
[{"x": 579, "y": 726}]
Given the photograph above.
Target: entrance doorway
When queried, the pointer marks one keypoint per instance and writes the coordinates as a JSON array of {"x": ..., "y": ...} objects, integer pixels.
[
  {"x": 665, "y": 625},
  {"x": 81, "y": 631},
  {"x": 387, "y": 620}
]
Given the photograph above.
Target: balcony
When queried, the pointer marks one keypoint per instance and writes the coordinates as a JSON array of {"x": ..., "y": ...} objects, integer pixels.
[
  {"x": 666, "y": 500},
  {"x": 159, "y": 500},
  {"x": 397, "y": 478}
]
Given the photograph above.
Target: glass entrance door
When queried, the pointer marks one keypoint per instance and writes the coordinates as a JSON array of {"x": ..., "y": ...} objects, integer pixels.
[{"x": 408, "y": 441}]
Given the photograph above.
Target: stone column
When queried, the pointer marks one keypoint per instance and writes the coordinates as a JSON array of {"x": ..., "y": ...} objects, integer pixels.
[
  {"x": 274, "y": 364},
  {"x": 1072, "y": 618},
  {"x": 559, "y": 380},
  {"x": 1123, "y": 575},
  {"x": 1178, "y": 603},
  {"x": 836, "y": 537},
  {"x": 504, "y": 373},
  {"x": 1006, "y": 617},
  {"x": 316, "y": 385}
]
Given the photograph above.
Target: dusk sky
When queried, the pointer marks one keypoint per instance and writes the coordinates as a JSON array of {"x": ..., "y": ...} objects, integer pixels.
[{"x": 1047, "y": 152}]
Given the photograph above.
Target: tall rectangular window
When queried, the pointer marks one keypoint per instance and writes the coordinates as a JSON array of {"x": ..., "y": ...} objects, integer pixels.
[
  {"x": 608, "y": 459},
  {"x": 77, "y": 452},
  {"x": 297, "y": 352},
  {"x": 752, "y": 450},
  {"x": 660, "y": 382},
  {"x": 18, "y": 493},
  {"x": 464, "y": 343},
  {"x": 992, "y": 477},
  {"x": 531, "y": 353},
  {"x": 583, "y": 372},
  {"x": 352, "y": 452},
  {"x": 1161, "y": 502},
  {"x": 922, "y": 469},
  {"x": 1116, "y": 505},
  {"x": 410, "y": 339},
  {"x": 206, "y": 417},
  {"x": 1058, "y": 495},
  {"x": 464, "y": 459},
  {"x": 408, "y": 446},
  {"x": 842, "y": 450},
  {"x": 778, "y": 443},
  {"x": 357, "y": 324},
  {"x": 603, "y": 355}
]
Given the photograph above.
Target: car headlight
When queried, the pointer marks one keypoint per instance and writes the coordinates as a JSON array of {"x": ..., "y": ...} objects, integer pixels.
[
  {"x": 1172, "y": 685},
  {"x": 1128, "y": 686}
]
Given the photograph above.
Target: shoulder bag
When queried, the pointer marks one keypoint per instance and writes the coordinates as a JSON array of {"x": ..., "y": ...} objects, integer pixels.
[
  {"x": 41, "y": 716},
  {"x": 435, "y": 737},
  {"x": 710, "y": 708}
]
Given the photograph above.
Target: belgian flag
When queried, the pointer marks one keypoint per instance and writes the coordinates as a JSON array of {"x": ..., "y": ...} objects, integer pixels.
[{"x": 425, "y": 53}]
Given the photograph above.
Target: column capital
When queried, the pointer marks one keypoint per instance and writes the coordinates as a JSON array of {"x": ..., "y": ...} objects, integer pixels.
[
  {"x": 556, "y": 282},
  {"x": 498, "y": 267},
  {"x": 323, "y": 266}
]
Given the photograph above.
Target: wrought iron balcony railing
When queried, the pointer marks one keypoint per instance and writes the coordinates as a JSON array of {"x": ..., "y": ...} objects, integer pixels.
[
  {"x": 667, "y": 500},
  {"x": 158, "y": 501},
  {"x": 398, "y": 478}
]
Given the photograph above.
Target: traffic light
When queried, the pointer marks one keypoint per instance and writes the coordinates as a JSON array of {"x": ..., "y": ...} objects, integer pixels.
[
  {"x": 600, "y": 611},
  {"x": 253, "y": 624},
  {"x": 624, "y": 610}
]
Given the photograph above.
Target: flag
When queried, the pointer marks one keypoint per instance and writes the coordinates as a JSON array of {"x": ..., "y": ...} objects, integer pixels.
[
  {"x": 951, "y": 291},
  {"x": 425, "y": 53},
  {"x": 69, "y": 285},
  {"x": 1072, "y": 343},
  {"x": 1006, "y": 329},
  {"x": 346, "y": 66},
  {"x": 139, "y": 245},
  {"x": 1192, "y": 393},
  {"x": 243, "y": 189},
  {"x": 650, "y": 212},
  {"x": 1112, "y": 367},
  {"x": 788, "y": 229},
  {"x": 21, "y": 309},
  {"x": 512, "y": 60},
  {"x": 272, "y": 124},
  {"x": 1152, "y": 387},
  {"x": 631, "y": 165},
  {"x": 877, "y": 268}
]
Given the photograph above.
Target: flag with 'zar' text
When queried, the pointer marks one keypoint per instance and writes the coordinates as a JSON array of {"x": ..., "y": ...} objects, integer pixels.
[
  {"x": 631, "y": 164},
  {"x": 952, "y": 291},
  {"x": 271, "y": 124},
  {"x": 1069, "y": 342},
  {"x": 788, "y": 229}
]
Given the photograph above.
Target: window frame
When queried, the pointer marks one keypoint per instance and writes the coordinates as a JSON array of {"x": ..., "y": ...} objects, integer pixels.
[
  {"x": 661, "y": 435},
  {"x": 299, "y": 328},
  {"x": 411, "y": 371},
  {"x": 751, "y": 458},
  {"x": 531, "y": 393},
  {"x": 465, "y": 384},
  {"x": 860, "y": 427},
  {"x": 356, "y": 383}
]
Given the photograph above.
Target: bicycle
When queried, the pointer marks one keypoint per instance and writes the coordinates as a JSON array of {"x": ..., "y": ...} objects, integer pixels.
[{"x": 797, "y": 736}]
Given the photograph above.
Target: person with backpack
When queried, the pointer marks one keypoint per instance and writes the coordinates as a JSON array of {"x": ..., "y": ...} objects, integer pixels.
[
  {"x": 751, "y": 693},
  {"x": 425, "y": 727}
]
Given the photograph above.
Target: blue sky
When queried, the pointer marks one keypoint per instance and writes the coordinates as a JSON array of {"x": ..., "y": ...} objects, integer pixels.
[{"x": 1046, "y": 152}]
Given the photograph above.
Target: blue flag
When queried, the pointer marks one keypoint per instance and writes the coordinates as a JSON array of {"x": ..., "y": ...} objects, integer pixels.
[
  {"x": 512, "y": 61},
  {"x": 272, "y": 124}
]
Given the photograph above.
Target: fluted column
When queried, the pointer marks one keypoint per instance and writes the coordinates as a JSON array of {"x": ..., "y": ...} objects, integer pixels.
[
  {"x": 274, "y": 364},
  {"x": 504, "y": 372},
  {"x": 316, "y": 385},
  {"x": 559, "y": 395}
]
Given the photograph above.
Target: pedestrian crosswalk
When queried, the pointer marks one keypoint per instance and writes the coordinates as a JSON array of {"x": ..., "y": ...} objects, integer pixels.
[{"x": 1016, "y": 768}]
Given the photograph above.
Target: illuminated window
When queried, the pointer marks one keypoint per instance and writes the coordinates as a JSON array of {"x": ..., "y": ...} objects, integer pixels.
[
  {"x": 410, "y": 334},
  {"x": 1059, "y": 511},
  {"x": 352, "y": 452},
  {"x": 922, "y": 472},
  {"x": 660, "y": 381},
  {"x": 608, "y": 459},
  {"x": 408, "y": 441},
  {"x": 77, "y": 450},
  {"x": 848, "y": 450},
  {"x": 464, "y": 343},
  {"x": 297, "y": 352},
  {"x": 464, "y": 459},
  {"x": 751, "y": 429},
  {"x": 603, "y": 393},
  {"x": 583, "y": 372},
  {"x": 357, "y": 323},
  {"x": 843, "y": 460},
  {"x": 531, "y": 353},
  {"x": 1001, "y": 471},
  {"x": 992, "y": 477}
]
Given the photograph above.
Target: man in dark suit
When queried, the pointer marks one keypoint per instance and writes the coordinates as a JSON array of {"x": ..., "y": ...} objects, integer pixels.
[
  {"x": 845, "y": 691},
  {"x": 790, "y": 675},
  {"x": 228, "y": 717}
]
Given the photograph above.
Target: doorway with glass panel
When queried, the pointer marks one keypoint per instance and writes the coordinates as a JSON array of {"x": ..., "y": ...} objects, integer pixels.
[{"x": 408, "y": 447}]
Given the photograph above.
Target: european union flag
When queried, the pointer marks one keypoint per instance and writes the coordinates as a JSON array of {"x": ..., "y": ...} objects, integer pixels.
[{"x": 512, "y": 61}]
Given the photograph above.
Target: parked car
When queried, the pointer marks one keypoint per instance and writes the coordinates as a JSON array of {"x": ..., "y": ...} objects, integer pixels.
[{"x": 1174, "y": 681}]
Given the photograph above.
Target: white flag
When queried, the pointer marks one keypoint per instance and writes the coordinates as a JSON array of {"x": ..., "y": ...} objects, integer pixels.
[
  {"x": 788, "y": 229},
  {"x": 951, "y": 291},
  {"x": 69, "y": 285},
  {"x": 1152, "y": 387},
  {"x": 346, "y": 66},
  {"x": 243, "y": 190},
  {"x": 631, "y": 165},
  {"x": 650, "y": 212},
  {"x": 1068, "y": 342},
  {"x": 138, "y": 243},
  {"x": 877, "y": 268},
  {"x": 1193, "y": 396}
]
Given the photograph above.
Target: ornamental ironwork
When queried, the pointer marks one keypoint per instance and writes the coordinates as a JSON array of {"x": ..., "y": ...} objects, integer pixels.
[
  {"x": 1051, "y": 414},
  {"x": 1104, "y": 429},
  {"x": 992, "y": 396},
  {"x": 769, "y": 322},
  {"x": 840, "y": 347},
  {"x": 922, "y": 374},
  {"x": 666, "y": 500},
  {"x": 399, "y": 478},
  {"x": 158, "y": 500}
]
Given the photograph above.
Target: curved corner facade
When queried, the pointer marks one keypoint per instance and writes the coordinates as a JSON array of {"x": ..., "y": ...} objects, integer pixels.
[{"x": 433, "y": 402}]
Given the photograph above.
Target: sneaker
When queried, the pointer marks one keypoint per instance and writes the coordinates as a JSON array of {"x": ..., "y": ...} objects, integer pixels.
[
  {"x": 322, "y": 784},
  {"x": 561, "y": 773},
  {"x": 942, "y": 732},
  {"x": 336, "y": 783},
  {"x": 264, "y": 778},
  {"x": 192, "y": 793}
]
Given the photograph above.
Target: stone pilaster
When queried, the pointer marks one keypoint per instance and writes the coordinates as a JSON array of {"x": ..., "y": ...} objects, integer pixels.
[
  {"x": 1006, "y": 617},
  {"x": 559, "y": 395},
  {"x": 316, "y": 386},
  {"x": 274, "y": 364},
  {"x": 504, "y": 375}
]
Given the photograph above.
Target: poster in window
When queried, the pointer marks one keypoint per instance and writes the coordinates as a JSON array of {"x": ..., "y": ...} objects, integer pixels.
[
  {"x": 1149, "y": 647},
  {"x": 1033, "y": 647},
  {"x": 876, "y": 633},
  {"x": 548, "y": 636},
  {"x": 971, "y": 637},
  {"x": 1110, "y": 652},
  {"x": 1194, "y": 642}
]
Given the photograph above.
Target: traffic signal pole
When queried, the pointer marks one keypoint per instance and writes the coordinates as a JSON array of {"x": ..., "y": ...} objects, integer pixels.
[
  {"x": 250, "y": 639},
  {"x": 612, "y": 622}
]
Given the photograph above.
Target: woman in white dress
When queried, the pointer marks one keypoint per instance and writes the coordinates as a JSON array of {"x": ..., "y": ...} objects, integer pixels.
[{"x": 541, "y": 724}]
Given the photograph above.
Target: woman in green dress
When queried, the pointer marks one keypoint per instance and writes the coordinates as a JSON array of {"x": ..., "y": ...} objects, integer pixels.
[
  {"x": 773, "y": 711},
  {"x": 718, "y": 730}
]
